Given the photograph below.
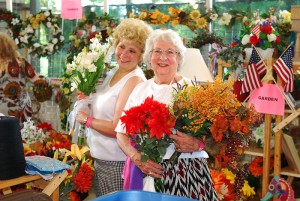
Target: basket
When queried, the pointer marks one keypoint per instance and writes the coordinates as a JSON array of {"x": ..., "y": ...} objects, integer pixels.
[{"x": 42, "y": 91}]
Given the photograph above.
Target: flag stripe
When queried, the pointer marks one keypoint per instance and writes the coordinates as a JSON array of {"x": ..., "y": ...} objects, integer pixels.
[
  {"x": 284, "y": 69},
  {"x": 256, "y": 67}
]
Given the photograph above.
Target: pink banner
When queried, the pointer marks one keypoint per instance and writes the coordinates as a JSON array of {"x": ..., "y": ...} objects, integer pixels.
[
  {"x": 268, "y": 99},
  {"x": 71, "y": 9}
]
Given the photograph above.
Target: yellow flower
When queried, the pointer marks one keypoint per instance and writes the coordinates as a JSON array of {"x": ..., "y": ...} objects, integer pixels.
[
  {"x": 75, "y": 152},
  {"x": 247, "y": 190},
  {"x": 229, "y": 175},
  {"x": 159, "y": 18},
  {"x": 77, "y": 42},
  {"x": 195, "y": 14},
  {"x": 131, "y": 15},
  {"x": 143, "y": 16},
  {"x": 201, "y": 23},
  {"x": 35, "y": 25}
]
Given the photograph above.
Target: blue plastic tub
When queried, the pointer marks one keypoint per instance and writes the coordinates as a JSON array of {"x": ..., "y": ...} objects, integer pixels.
[{"x": 140, "y": 196}]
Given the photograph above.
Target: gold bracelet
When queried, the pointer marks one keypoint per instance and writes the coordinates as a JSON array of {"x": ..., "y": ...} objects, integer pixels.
[{"x": 85, "y": 120}]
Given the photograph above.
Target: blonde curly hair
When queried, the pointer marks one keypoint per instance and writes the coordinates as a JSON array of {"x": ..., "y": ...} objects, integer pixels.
[
  {"x": 134, "y": 30},
  {"x": 9, "y": 49}
]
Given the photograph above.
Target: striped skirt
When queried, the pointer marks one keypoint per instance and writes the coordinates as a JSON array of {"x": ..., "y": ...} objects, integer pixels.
[{"x": 191, "y": 178}]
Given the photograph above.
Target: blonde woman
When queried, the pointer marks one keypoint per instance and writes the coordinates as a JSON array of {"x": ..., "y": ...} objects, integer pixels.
[{"x": 108, "y": 102}]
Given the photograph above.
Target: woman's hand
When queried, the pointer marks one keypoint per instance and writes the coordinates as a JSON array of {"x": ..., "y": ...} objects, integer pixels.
[
  {"x": 82, "y": 117},
  {"x": 149, "y": 167},
  {"x": 81, "y": 95},
  {"x": 185, "y": 142}
]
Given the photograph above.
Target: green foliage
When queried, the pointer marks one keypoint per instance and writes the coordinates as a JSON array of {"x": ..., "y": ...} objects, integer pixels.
[
  {"x": 204, "y": 37},
  {"x": 232, "y": 54}
]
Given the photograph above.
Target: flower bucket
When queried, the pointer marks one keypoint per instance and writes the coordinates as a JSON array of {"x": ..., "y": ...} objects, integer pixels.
[{"x": 265, "y": 54}]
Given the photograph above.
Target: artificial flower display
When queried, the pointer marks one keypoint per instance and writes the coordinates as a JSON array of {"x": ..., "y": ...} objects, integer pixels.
[
  {"x": 31, "y": 133},
  {"x": 224, "y": 181},
  {"x": 189, "y": 16},
  {"x": 29, "y": 34},
  {"x": 212, "y": 112},
  {"x": 79, "y": 181},
  {"x": 87, "y": 67},
  {"x": 149, "y": 126}
]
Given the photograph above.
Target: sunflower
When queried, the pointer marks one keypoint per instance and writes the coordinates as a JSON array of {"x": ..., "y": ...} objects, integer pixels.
[
  {"x": 201, "y": 23},
  {"x": 195, "y": 14}
]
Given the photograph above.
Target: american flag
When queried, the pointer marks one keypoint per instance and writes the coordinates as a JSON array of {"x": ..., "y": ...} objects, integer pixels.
[
  {"x": 284, "y": 69},
  {"x": 256, "y": 30},
  {"x": 256, "y": 67}
]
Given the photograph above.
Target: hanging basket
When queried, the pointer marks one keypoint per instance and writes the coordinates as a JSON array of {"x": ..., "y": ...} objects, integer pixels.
[
  {"x": 42, "y": 91},
  {"x": 265, "y": 54}
]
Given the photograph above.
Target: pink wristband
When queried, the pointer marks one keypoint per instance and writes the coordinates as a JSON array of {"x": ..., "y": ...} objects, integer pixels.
[
  {"x": 89, "y": 121},
  {"x": 201, "y": 145}
]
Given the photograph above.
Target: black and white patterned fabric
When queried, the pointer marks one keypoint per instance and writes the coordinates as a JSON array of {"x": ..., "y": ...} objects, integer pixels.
[
  {"x": 108, "y": 176},
  {"x": 190, "y": 178}
]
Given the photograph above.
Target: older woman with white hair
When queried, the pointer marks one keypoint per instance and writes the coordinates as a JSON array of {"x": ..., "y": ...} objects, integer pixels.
[{"x": 190, "y": 176}]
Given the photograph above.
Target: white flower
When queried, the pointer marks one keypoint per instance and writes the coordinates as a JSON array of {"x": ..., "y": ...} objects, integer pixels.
[
  {"x": 47, "y": 13},
  {"x": 271, "y": 37},
  {"x": 30, "y": 133},
  {"x": 246, "y": 39},
  {"x": 48, "y": 24},
  {"x": 15, "y": 21},
  {"x": 17, "y": 41},
  {"x": 61, "y": 38},
  {"x": 29, "y": 29},
  {"x": 54, "y": 40},
  {"x": 225, "y": 19},
  {"x": 36, "y": 45},
  {"x": 49, "y": 47},
  {"x": 213, "y": 17},
  {"x": 245, "y": 18},
  {"x": 24, "y": 39}
]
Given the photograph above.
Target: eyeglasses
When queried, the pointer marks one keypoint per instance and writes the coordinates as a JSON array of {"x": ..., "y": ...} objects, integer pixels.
[{"x": 168, "y": 53}]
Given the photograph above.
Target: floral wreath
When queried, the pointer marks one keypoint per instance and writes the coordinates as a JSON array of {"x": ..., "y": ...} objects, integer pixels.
[
  {"x": 86, "y": 30},
  {"x": 13, "y": 21},
  {"x": 28, "y": 37}
]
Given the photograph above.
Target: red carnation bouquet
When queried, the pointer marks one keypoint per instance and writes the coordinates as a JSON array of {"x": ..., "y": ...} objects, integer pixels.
[{"x": 149, "y": 126}]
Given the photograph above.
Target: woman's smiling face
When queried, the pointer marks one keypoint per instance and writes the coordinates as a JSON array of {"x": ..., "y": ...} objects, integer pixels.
[
  {"x": 127, "y": 54},
  {"x": 164, "y": 59}
]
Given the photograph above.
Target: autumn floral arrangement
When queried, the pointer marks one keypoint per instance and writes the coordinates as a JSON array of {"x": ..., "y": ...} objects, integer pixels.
[
  {"x": 29, "y": 34},
  {"x": 255, "y": 169},
  {"x": 188, "y": 16},
  {"x": 149, "y": 125},
  {"x": 224, "y": 183},
  {"x": 212, "y": 111},
  {"x": 42, "y": 140}
]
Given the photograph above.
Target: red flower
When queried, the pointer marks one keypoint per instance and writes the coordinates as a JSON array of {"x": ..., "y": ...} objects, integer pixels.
[
  {"x": 83, "y": 178},
  {"x": 278, "y": 40},
  {"x": 234, "y": 43},
  {"x": 45, "y": 126},
  {"x": 267, "y": 29},
  {"x": 254, "y": 40},
  {"x": 74, "y": 196}
]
